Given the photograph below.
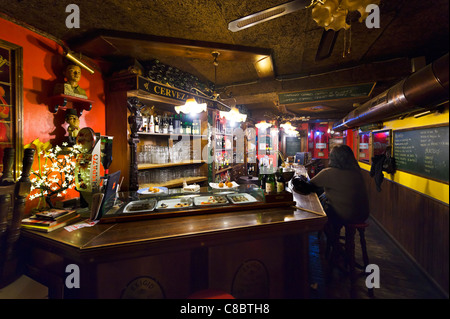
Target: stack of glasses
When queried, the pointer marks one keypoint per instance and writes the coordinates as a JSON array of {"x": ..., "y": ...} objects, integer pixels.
[
  {"x": 164, "y": 175},
  {"x": 153, "y": 154}
]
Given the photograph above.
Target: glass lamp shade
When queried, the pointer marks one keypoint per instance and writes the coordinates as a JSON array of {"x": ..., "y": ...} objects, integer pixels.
[
  {"x": 234, "y": 115},
  {"x": 263, "y": 125},
  {"x": 191, "y": 107}
]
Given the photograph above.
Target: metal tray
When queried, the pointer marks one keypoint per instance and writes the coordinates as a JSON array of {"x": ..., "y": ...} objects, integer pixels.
[
  {"x": 174, "y": 203},
  {"x": 140, "y": 206},
  {"x": 211, "y": 200},
  {"x": 242, "y": 198}
]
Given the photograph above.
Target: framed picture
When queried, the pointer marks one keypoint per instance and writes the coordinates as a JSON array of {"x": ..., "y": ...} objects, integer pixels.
[
  {"x": 11, "y": 104},
  {"x": 380, "y": 141},
  {"x": 364, "y": 147}
]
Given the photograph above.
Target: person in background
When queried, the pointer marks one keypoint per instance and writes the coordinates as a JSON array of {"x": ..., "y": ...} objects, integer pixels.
[{"x": 342, "y": 191}]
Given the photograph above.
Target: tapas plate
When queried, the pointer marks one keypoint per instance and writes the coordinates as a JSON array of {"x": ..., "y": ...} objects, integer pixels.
[
  {"x": 140, "y": 206},
  {"x": 153, "y": 191},
  {"x": 213, "y": 200},
  {"x": 174, "y": 203},
  {"x": 224, "y": 186},
  {"x": 242, "y": 198}
]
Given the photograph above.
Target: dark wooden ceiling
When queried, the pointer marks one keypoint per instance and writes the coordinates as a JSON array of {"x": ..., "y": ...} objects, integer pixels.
[{"x": 409, "y": 29}]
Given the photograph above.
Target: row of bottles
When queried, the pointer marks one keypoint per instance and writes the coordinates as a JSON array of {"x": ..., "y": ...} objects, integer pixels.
[
  {"x": 272, "y": 183},
  {"x": 171, "y": 76},
  {"x": 223, "y": 142},
  {"x": 165, "y": 124}
]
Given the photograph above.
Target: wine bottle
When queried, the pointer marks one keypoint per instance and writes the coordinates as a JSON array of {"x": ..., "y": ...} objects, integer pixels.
[
  {"x": 151, "y": 125},
  {"x": 156, "y": 124},
  {"x": 176, "y": 124},
  {"x": 270, "y": 183},
  {"x": 188, "y": 126},
  {"x": 170, "y": 130},
  {"x": 165, "y": 124},
  {"x": 280, "y": 182}
]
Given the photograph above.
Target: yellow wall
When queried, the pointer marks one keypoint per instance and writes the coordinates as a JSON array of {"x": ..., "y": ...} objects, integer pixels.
[{"x": 437, "y": 190}]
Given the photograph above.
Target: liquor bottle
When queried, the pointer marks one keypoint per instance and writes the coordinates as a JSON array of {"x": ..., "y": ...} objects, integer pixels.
[
  {"x": 144, "y": 126},
  {"x": 188, "y": 126},
  {"x": 165, "y": 124},
  {"x": 182, "y": 125},
  {"x": 156, "y": 124},
  {"x": 195, "y": 127},
  {"x": 262, "y": 180},
  {"x": 176, "y": 124},
  {"x": 270, "y": 183},
  {"x": 280, "y": 182},
  {"x": 151, "y": 125},
  {"x": 170, "y": 130}
]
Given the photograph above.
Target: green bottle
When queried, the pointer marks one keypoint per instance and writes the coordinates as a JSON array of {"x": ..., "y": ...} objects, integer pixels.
[
  {"x": 280, "y": 182},
  {"x": 270, "y": 183}
]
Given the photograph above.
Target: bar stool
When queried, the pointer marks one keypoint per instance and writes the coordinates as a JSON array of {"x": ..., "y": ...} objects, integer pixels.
[
  {"x": 350, "y": 231},
  {"x": 346, "y": 249}
]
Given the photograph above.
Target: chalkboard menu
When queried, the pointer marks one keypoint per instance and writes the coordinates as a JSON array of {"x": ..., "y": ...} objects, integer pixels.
[
  {"x": 292, "y": 145},
  {"x": 336, "y": 93},
  {"x": 423, "y": 151}
]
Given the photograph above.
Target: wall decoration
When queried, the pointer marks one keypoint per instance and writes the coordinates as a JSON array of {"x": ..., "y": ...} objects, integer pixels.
[{"x": 11, "y": 101}]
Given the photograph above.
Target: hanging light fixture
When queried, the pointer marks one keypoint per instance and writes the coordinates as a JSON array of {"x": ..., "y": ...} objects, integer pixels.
[
  {"x": 191, "y": 107},
  {"x": 289, "y": 129},
  {"x": 234, "y": 115},
  {"x": 263, "y": 125}
]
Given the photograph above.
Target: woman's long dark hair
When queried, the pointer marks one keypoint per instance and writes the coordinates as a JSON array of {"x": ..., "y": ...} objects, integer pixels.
[{"x": 341, "y": 156}]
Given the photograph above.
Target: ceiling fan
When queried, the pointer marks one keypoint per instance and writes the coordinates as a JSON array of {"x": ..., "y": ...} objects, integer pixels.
[{"x": 330, "y": 14}]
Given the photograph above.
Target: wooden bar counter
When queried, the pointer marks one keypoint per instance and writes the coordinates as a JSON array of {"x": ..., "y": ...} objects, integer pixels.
[{"x": 259, "y": 253}]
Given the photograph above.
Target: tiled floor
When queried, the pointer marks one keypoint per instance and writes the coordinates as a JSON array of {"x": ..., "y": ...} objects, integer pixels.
[
  {"x": 24, "y": 288},
  {"x": 400, "y": 278}
]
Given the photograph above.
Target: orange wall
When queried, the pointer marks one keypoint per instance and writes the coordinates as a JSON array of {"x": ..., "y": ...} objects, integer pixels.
[{"x": 42, "y": 69}]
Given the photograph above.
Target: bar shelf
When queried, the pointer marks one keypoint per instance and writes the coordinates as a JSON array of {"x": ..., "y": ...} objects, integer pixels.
[
  {"x": 177, "y": 182},
  {"x": 153, "y": 166}
]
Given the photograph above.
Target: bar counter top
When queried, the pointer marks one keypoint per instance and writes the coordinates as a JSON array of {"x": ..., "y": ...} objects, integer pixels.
[
  {"x": 177, "y": 228},
  {"x": 183, "y": 254}
]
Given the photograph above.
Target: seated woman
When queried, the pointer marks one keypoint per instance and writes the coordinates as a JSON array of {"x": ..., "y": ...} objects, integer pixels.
[{"x": 344, "y": 196}]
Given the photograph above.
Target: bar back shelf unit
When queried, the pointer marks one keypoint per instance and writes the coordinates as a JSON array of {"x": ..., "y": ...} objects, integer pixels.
[{"x": 139, "y": 172}]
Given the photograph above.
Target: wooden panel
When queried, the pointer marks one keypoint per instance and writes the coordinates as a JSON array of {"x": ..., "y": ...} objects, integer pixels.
[
  {"x": 160, "y": 276},
  {"x": 417, "y": 222},
  {"x": 117, "y": 126},
  {"x": 249, "y": 270}
]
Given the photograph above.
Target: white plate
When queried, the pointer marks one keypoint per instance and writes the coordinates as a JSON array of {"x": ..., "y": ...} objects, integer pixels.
[
  {"x": 140, "y": 206},
  {"x": 247, "y": 198},
  {"x": 146, "y": 191},
  {"x": 216, "y": 185},
  {"x": 173, "y": 203},
  {"x": 209, "y": 200}
]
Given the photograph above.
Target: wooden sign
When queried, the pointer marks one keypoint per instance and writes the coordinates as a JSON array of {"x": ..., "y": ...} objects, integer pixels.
[{"x": 327, "y": 94}]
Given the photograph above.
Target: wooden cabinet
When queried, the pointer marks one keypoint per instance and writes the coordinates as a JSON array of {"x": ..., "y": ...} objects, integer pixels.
[
  {"x": 128, "y": 144},
  {"x": 165, "y": 167}
]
